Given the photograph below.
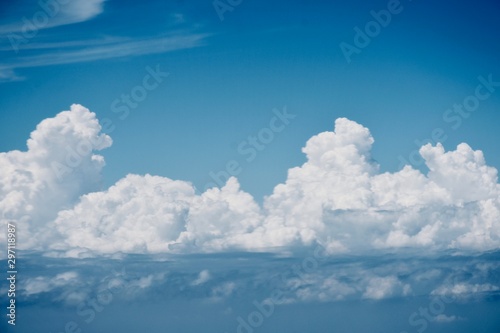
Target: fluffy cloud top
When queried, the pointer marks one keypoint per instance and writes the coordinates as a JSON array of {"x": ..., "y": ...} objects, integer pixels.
[
  {"x": 58, "y": 167},
  {"x": 337, "y": 198}
]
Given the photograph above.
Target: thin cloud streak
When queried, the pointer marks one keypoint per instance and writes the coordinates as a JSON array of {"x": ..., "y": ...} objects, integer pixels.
[
  {"x": 106, "y": 49},
  {"x": 106, "y": 40}
]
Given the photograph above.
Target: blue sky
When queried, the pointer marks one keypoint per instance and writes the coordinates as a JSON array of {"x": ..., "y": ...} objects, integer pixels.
[
  {"x": 227, "y": 76},
  {"x": 163, "y": 100}
]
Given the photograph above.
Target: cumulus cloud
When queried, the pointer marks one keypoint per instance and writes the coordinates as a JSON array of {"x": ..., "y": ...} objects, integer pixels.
[
  {"x": 220, "y": 219},
  {"x": 151, "y": 214},
  {"x": 381, "y": 287},
  {"x": 41, "y": 284},
  {"x": 465, "y": 289},
  {"x": 222, "y": 291},
  {"x": 134, "y": 215},
  {"x": 203, "y": 277},
  {"x": 337, "y": 198},
  {"x": 324, "y": 289},
  {"x": 57, "y": 168}
]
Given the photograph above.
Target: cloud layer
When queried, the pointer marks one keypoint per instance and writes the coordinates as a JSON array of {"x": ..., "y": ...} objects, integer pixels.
[
  {"x": 337, "y": 198},
  {"x": 258, "y": 276}
]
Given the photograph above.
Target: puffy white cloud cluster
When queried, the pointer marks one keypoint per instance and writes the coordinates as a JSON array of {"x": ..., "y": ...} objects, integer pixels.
[
  {"x": 335, "y": 287},
  {"x": 337, "y": 198},
  {"x": 151, "y": 214},
  {"x": 58, "y": 167},
  {"x": 42, "y": 284}
]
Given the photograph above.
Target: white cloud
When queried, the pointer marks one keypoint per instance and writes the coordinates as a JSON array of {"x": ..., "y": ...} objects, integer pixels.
[
  {"x": 108, "y": 48},
  {"x": 131, "y": 216},
  {"x": 381, "y": 287},
  {"x": 81, "y": 10},
  {"x": 203, "y": 277},
  {"x": 41, "y": 284},
  {"x": 37, "y": 285},
  {"x": 28, "y": 44},
  {"x": 442, "y": 318},
  {"x": 222, "y": 291},
  {"x": 428, "y": 275},
  {"x": 337, "y": 198},
  {"x": 57, "y": 14},
  {"x": 323, "y": 289},
  {"x": 463, "y": 173},
  {"x": 220, "y": 219},
  {"x": 151, "y": 214},
  {"x": 57, "y": 53},
  {"x": 58, "y": 167},
  {"x": 465, "y": 289}
]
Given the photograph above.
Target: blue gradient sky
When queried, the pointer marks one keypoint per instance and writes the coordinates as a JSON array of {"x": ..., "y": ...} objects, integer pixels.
[{"x": 263, "y": 55}]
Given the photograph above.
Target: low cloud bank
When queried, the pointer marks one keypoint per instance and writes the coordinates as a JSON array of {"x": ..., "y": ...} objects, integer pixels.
[{"x": 337, "y": 198}]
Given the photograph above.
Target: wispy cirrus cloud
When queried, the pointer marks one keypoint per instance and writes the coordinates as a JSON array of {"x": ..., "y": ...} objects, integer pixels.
[
  {"x": 23, "y": 44},
  {"x": 83, "y": 51},
  {"x": 61, "y": 44},
  {"x": 49, "y": 14},
  {"x": 58, "y": 53}
]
